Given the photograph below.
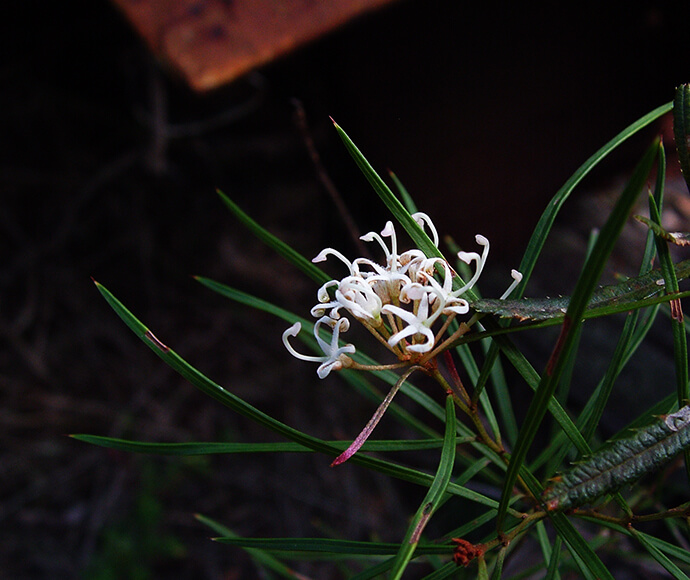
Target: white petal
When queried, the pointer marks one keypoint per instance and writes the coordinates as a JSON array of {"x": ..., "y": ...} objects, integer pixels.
[
  {"x": 322, "y": 255},
  {"x": 294, "y": 331},
  {"x": 517, "y": 278},
  {"x": 422, "y": 218}
]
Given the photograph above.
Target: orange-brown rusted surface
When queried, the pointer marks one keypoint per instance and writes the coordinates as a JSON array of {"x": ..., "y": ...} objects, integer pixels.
[{"x": 212, "y": 42}]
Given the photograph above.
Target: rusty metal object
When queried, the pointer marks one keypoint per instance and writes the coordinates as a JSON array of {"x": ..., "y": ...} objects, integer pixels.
[{"x": 212, "y": 42}]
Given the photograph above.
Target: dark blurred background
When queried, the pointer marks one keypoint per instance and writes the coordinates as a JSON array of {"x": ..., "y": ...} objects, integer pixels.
[{"x": 109, "y": 170}]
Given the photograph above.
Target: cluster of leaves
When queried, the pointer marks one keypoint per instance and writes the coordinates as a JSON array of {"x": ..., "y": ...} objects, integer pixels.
[{"x": 498, "y": 454}]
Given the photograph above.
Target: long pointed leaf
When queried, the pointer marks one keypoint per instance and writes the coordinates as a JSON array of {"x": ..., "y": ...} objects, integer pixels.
[
  {"x": 671, "y": 277},
  {"x": 433, "y": 497},
  {"x": 218, "y": 447},
  {"x": 329, "y": 546},
  {"x": 206, "y": 385},
  {"x": 419, "y": 237},
  {"x": 605, "y": 300},
  {"x": 681, "y": 129},
  {"x": 582, "y": 552},
  {"x": 659, "y": 556},
  {"x": 421, "y": 398},
  {"x": 573, "y": 320},
  {"x": 276, "y": 244},
  {"x": 538, "y": 239},
  {"x": 259, "y": 556},
  {"x": 423, "y": 242}
]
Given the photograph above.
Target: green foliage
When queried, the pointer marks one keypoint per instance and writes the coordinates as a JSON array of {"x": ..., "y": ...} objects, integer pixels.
[
  {"x": 605, "y": 300},
  {"x": 621, "y": 462},
  {"x": 681, "y": 128},
  {"x": 483, "y": 444},
  {"x": 137, "y": 542}
]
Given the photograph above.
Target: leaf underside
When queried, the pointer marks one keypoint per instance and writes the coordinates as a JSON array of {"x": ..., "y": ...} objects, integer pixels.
[
  {"x": 628, "y": 291},
  {"x": 620, "y": 462}
]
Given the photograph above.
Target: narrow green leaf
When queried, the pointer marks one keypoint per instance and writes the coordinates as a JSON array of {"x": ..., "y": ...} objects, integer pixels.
[
  {"x": 218, "y": 448},
  {"x": 448, "y": 570},
  {"x": 622, "y": 296},
  {"x": 614, "y": 369},
  {"x": 276, "y": 244},
  {"x": 494, "y": 369},
  {"x": 422, "y": 399},
  {"x": 376, "y": 571},
  {"x": 407, "y": 200},
  {"x": 260, "y": 557},
  {"x": 225, "y": 397},
  {"x": 573, "y": 320},
  {"x": 472, "y": 525},
  {"x": 680, "y": 346},
  {"x": 498, "y": 565},
  {"x": 214, "y": 525},
  {"x": 541, "y": 231},
  {"x": 252, "y": 301},
  {"x": 482, "y": 570},
  {"x": 588, "y": 562},
  {"x": 554, "y": 561},
  {"x": 658, "y": 555},
  {"x": 675, "y": 238},
  {"x": 419, "y": 237},
  {"x": 329, "y": 545},
  {"x": 681, "y": 129},
  {"x": 423, "y": 242},
  {"x": 544, "y": 542},
  {"x": 433, "y": 496},
  {"x": 467, "y": 358},
  {"x": 680, "y": 554}
]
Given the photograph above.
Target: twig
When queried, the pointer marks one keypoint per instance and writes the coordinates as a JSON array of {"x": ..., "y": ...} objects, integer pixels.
[{"x": 301, "y": 122}]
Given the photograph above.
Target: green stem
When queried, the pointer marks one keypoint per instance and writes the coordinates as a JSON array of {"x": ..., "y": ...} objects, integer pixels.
[{"x": 460, "y": 397}]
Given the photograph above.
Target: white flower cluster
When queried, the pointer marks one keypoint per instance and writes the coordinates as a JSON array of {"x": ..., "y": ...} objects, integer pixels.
[{"x": 398, "y": 302}]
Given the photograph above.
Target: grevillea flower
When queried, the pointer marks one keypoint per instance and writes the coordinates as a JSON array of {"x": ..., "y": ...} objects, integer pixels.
[
  {"x": 442, "y": 297},
  {"x": 392, "y": 254},
  {"x": 517, "y": 278},
  {"x": 335, "y": 356},
  {"x": 469, "y": 257},
  {"x": 400, "y": 301},
  {"x": 357, "y": 296},
  {"x": 418, "y": 325}
]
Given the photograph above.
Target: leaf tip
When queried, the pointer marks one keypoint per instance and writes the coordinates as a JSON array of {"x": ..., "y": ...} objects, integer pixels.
[{"x": 342, "y": 458}]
